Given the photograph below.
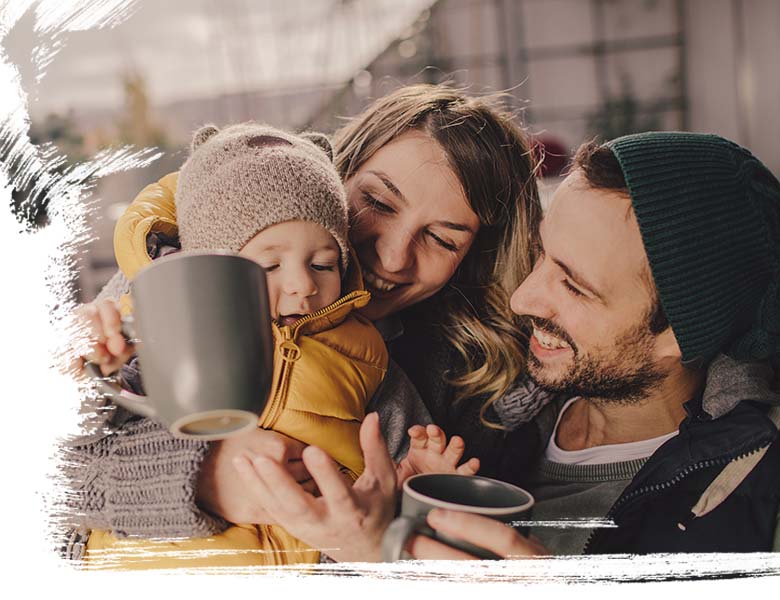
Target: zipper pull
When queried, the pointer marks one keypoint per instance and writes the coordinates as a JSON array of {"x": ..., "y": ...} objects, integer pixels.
[{"x": 288, "y": 349}]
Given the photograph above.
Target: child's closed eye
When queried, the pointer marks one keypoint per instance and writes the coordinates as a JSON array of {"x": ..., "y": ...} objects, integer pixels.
[{"x": 318, "y": 267}]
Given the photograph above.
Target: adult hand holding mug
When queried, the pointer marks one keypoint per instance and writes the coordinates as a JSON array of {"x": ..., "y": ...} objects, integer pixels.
[
  {"x": 484, "y": 532},
  {"x": 499, "y": 501}
]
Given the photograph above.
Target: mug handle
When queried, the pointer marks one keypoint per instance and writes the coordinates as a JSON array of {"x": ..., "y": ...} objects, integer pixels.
[
  {"x": 398, "y": 533},
  {"x": 107, "y": 386}
]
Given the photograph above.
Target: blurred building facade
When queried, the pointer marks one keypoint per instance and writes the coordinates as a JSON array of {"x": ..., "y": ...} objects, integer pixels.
[
  {"x": 579, "y": 68},
  {"x": 573, "y": 69}
]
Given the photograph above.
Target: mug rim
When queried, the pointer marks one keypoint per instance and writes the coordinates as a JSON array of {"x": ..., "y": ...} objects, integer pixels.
[
  {"x": 180, "y": 254},
  {"x": 164, "y": 261},
  {"x": 183, "y": 421},
  {"x": 469, "y": 508}
]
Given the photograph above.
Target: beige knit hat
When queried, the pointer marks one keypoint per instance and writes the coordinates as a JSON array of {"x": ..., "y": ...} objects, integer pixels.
[{"x": 247, "y": 177}]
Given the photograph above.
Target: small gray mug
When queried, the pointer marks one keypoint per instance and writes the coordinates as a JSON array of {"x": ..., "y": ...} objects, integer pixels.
[
  {"x": 479, "y": 495},
  {"x": 204, "y": 344}
]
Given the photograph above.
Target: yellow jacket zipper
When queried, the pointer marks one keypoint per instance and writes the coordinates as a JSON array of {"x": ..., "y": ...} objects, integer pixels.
[{"x": 290, "y": 353}]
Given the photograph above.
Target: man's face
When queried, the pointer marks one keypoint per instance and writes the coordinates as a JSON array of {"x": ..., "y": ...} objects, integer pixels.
[{"x": 588, "y": 300}]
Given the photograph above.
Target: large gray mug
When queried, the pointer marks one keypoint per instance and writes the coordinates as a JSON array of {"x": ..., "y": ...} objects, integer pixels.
[
  {"x": 204, "y": 344},
  {"x": 479, "y": 495}
]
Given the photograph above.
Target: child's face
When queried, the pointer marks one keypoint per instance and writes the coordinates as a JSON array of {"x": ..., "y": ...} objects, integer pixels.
[{"x": 301, "y": 260}]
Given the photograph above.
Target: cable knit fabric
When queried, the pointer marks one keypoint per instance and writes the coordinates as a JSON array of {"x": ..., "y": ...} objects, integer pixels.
[
  {"x": 140, "y": 481},
  {"x": 521, "y": 403},
  {"x": 140, "y": 466}
]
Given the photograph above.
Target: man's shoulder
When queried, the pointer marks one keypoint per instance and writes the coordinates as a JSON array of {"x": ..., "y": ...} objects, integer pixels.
[{"x": 743, "y": 430}]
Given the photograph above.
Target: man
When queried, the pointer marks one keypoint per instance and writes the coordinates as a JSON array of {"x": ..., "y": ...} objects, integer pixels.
[
  {"x": 658, "y": 271},
  {"x": 658, "y": 252}
]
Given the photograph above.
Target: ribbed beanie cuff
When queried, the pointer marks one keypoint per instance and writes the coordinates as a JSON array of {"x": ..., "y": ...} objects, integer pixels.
[{"x": 708, "y": 215}]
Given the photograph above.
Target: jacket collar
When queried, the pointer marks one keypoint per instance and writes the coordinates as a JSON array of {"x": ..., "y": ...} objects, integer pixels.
[
  {"x": 702, "y": 438},
  {"x": 704, "y": 441}
]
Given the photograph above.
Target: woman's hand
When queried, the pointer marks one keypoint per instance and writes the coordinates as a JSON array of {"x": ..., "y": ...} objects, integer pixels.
[
  {"x": 480, "y": 531},
  {"x": 345, "y": 522},
  {"x": 221, "y": 492},
  {"x": 106, "y": 345}
]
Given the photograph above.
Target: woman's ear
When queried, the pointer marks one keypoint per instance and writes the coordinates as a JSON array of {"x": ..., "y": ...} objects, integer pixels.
[
  {"x": 321, "y": 140},
  {"x": 203, "y": 134}
]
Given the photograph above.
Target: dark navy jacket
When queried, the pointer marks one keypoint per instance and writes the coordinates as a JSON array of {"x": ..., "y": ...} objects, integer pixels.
[{"x": 653, "y": 515}]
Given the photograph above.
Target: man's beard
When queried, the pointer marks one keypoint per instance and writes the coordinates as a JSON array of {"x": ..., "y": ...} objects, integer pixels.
[{"x": 623, "y": 376}]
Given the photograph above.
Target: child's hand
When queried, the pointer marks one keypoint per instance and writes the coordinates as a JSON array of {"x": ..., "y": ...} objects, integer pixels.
[
  {"x": 107, "y": 346},
  {"x": 430, "y": 453}
]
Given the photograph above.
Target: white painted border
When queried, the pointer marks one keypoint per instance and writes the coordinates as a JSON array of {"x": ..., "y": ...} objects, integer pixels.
[{"x": 39, "y": 405}]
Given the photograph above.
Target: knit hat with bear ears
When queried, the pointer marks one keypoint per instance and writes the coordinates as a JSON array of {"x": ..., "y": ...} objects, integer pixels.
[{"x": 247, "y": 177}]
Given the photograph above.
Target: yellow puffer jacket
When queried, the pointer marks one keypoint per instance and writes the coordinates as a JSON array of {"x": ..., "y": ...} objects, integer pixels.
[{"x": 326, "y": 368}]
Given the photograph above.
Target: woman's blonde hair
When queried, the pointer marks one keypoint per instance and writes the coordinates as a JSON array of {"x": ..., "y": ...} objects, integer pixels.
[{"x": 491, "y": 157}]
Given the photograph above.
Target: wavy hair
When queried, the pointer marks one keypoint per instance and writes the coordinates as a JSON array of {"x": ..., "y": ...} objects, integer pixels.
[{"x": 493, "y": 160}]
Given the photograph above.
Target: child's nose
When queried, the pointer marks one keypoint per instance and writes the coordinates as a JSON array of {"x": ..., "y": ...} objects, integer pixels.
[{"x": 300, "y": 283}]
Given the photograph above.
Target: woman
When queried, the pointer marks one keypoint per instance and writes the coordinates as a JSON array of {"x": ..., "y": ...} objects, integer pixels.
[{"x": 442, "y": 195}]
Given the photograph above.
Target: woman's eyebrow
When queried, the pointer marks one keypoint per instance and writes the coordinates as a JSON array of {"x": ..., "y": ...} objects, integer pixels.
[
  {"x": 389, "y": 185},
  {"x": 396, "y": 192}
]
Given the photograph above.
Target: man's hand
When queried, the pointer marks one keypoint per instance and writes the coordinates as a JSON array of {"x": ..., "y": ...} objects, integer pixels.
[
  {"x": 346, "y": 522},
  {"x": 429, "y": 452},
  {"x": 480, "y": 531},
  {"x": 221, "y": 491}
]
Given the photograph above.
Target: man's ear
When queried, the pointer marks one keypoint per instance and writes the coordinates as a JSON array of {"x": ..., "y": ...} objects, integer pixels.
[{"x": 666, "y": 346}]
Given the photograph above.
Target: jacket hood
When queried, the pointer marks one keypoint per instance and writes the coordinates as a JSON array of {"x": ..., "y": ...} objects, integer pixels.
[{"x": 730, "y": 381}]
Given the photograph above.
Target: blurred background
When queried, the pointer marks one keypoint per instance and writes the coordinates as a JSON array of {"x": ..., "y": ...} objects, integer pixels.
[{"x": 574, "y": 69}]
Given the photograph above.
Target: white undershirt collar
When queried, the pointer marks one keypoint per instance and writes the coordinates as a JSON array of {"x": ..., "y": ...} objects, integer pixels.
[{"x": 599, "y": 455}]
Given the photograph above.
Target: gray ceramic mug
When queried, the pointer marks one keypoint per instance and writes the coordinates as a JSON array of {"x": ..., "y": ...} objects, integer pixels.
[
  {"x": 204, "y": 344},
  {"x": 479, "y": 495}
]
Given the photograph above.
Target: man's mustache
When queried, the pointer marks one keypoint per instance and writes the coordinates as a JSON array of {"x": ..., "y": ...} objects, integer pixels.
[{"x": 551, "y": 328}]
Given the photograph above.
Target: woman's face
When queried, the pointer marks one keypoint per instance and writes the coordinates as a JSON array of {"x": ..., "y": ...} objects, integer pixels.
[{"x": 411, "y": 222}]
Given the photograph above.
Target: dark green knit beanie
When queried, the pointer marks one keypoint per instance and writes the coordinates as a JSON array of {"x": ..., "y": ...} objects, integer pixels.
[{"x": 709, "y": 215}]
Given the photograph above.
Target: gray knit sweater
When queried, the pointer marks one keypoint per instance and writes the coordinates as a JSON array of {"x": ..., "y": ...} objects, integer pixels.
[{"x": 581, "y": 492}]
